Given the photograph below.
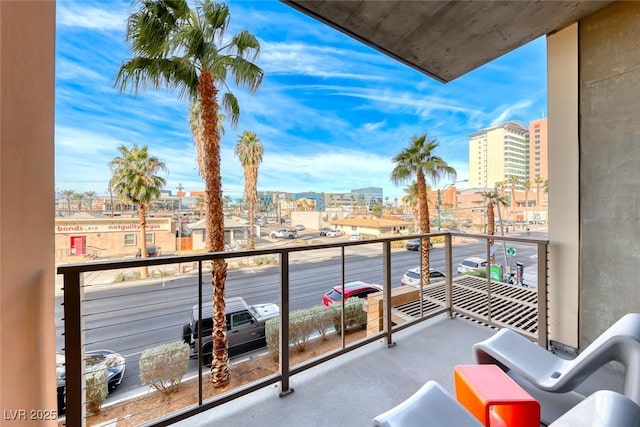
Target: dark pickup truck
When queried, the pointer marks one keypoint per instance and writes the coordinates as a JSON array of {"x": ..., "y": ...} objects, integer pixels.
[{"x": 245, "y": 327}]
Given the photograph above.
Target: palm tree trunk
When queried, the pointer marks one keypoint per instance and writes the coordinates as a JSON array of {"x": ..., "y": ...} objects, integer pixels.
[
  {"x": 424, "y": 227},
  {"x": 252, "y": 233},
  {"x": 215, "y": 227},
  {"x": 491, "y": 224}
]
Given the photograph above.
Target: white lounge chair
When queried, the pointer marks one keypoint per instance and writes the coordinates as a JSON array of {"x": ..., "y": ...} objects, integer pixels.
[
  {"x": 556, "y": 377},
  {"x": 430, "y": 406}
]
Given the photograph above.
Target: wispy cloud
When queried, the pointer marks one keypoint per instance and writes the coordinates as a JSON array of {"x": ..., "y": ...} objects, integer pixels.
[
  {"x": 85, "y": 15},
  {"x": 331, "y": 112}
]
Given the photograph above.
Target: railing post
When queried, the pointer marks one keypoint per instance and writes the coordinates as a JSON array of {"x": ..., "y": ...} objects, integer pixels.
[
  {"x": 284, "y": 324},
  {"x": 342, "y": 301},
  {"x": 74, "y": 348},
  {"x": 488, "y": 273},
  {"x": 543, "y": 333},
  {"x": 448, "y": 265},
  {"x": 199, "y": 338},
  {"x": 386, "y": 292}
]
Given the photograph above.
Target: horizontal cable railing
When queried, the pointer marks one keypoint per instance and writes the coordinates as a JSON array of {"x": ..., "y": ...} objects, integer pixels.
[{"x": 131, "y": 318}]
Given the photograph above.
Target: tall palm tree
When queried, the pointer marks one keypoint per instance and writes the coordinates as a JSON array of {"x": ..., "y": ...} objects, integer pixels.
[
  {"x": 249, "y": 151},
  {"x": 493, "y": 199},
  {"x": 68, "y": 195},
  {"x": 187, "y": 50},
  {"x": 419, "y": 162},
  {"x": 134, "y": 180},
  {"x": 226, "y": 201}
]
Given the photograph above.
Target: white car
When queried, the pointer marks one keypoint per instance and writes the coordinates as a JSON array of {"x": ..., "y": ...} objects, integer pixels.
[
  {"x": 412, "y": 277},
  {"x": 469, "y": 265},
  {"x": 334, "y": 233},
  {"x": 356, "y": 237}
]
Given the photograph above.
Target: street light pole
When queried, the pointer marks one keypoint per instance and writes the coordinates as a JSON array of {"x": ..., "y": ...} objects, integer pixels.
[{"x": 440, "y": 191}]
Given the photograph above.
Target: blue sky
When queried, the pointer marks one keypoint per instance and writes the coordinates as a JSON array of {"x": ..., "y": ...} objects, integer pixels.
[{"x": 331, "y": 112}]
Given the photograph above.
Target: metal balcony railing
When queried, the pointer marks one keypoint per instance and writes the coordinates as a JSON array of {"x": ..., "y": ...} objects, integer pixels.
[{"x": 482, "y": 299}]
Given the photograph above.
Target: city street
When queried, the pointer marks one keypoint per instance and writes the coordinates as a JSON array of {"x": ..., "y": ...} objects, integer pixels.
[{"x": 129, "y": 317}]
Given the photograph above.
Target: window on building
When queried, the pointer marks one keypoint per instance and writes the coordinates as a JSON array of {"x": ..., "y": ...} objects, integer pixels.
[
  {"x": 129, "y": 239},
  {"x": 150, "y": 238}
]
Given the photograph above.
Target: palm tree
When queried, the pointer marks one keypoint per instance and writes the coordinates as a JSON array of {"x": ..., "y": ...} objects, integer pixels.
[
  {"x": 492, "y": 198},
  {"x": 187, "y": 50},
  {"x": 538, "y": 181},
  {"x": 134, "y": 181},
  {"x": 68, "y": 195},
  {"x": 226, "y": 201},
  {"x": 419, "y": 162},
  {"x": 79, "y": 198},
  {"x": 500, "y": 185},
  {"x": 249, "y": 151},
  {"x": 513, "y": 181},
  {"x": 410, "y": 199},
  {"x": 526, "y": 184},
  {"x": 89, "y": 196}
]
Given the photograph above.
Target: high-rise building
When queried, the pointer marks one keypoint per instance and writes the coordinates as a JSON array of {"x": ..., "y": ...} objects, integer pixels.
[
  {"x": 498, "y": 153},
  {"x": 538, "y": 142},
  {"x": 372, "y": 195}
]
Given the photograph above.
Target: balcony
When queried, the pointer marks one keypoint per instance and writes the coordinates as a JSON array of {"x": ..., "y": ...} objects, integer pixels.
[{"x": 433, "y": 327}]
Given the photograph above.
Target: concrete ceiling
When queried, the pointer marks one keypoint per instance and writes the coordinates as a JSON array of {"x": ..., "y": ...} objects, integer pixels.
[{"x": 446, "y": 39}]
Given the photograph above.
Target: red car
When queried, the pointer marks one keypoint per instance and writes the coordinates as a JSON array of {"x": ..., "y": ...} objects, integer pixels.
[{"x": 352, "y": 289}]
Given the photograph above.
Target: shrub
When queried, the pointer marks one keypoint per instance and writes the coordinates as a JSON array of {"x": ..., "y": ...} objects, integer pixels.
[
  {"x": 121, "y": 277},
  {"x": 354, "y": 314},
  {"x": 322, "y": 319},
  {"x": 302, "y": 323},
  {"x": 97, "y": 389},
  {"x": 163, "y": 367},
  {"x": 272, "y": 335}
]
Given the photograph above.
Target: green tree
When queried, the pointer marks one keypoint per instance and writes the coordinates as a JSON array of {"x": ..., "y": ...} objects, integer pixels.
[
  {"x": 187, "y": 50},
  {"x": 134, "y": 180},
  {"x": 249, "y": 151},
  {"x": 418, "y": 161},
  {"x": 526, "y": 184}
]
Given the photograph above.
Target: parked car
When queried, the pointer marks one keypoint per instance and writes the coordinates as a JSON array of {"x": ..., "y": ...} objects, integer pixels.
[
  {"x": 412, "y": 277},
  {"x": 300, "y": 227},
  {"x": 334, "y": 233},
  {"x": 114, "y": 362},
  {"x": 357, "y": 289},
  {"x": 284, "y": 233},
  {"x": 356, "y": 237},
  {"x": 469, "y": 265},
  {"x": 245, "y": 327},
  {"x": 414, "y": 245},
  {"x": 324, "y": 231},
  {"x": 151, "y": 251}
]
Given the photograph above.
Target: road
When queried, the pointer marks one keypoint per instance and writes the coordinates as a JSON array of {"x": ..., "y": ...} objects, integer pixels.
[{"x": 128, "y": 318}]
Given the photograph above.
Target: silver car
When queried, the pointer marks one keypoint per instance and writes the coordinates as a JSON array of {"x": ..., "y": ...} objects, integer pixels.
[{"x": 412, "y": 277}]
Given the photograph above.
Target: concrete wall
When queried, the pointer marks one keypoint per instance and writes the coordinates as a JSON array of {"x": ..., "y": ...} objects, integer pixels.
[
  {"x": 27, "y": 326},
  {"x": 562, "y": 74},
  {"x": 609, "y": 167}
]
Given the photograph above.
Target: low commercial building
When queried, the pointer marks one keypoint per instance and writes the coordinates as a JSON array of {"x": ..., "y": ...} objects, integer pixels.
[
  {"x": 373, "y": 227},
  {"x": 87, "y": 236}
]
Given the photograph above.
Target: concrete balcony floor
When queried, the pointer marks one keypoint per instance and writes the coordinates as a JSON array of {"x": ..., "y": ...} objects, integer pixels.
[{"x": 353, "y": 388}]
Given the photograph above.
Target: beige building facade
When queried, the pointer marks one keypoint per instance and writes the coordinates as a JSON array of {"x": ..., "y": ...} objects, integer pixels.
[{"x": 82, "y": 237}]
